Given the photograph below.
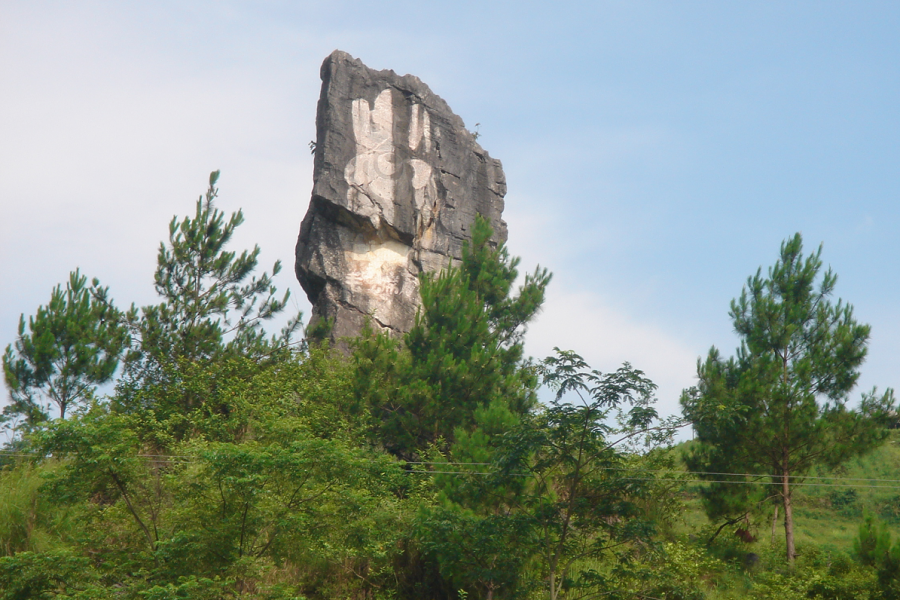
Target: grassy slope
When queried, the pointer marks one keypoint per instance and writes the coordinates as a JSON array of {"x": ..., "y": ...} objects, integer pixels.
[{"x": 827, "y": 517}]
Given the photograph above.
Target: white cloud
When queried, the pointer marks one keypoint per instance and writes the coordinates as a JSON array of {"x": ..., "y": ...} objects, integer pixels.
[
  {"x": 606, "y": 337},
  {"x": 578, "y": 315}
]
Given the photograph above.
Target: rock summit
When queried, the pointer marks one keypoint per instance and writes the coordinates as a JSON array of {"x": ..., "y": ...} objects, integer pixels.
[{"x": 397, "y": 183}]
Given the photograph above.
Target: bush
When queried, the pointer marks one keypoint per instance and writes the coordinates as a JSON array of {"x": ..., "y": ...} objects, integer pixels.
[
  {"x": 845, "y": 502},
  {"x": 29, "y": 575},
  {"x": 821, "y": 575}
]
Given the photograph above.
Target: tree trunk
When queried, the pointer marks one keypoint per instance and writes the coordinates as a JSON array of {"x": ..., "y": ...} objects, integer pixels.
[
  {"x": 774, "y": 521},
  {"x": 788, "y": 517}
]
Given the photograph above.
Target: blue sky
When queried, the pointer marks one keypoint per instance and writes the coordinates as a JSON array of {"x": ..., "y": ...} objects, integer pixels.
[{"x": 657, "y": 153}]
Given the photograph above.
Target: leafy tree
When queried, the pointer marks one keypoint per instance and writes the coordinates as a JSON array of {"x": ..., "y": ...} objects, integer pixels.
[
  {"x": 448, "y": 391},
  {"x": 71, "y": 346},
  {"x": 213, "y": 305},
  {"x": 463, "y": 353},
  {"x": 674, "y": 571},
  {"x": 225, "y": 466},
  {"x": 486, "y": 554},
  {"x": 280, "y": 489},
  {"x": 779, "y": 406},
  {"x": 579, "y": 496}
]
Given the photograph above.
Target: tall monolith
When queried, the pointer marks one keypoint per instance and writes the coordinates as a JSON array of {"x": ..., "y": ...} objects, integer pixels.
[{"x": 397, "y": 183}]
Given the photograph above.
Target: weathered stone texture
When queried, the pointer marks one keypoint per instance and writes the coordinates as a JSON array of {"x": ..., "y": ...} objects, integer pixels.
[{"x": 398, "y": 181}]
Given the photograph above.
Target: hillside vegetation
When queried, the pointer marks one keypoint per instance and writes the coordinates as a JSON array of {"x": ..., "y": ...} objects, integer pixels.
[{"x": 228, "y": 462}]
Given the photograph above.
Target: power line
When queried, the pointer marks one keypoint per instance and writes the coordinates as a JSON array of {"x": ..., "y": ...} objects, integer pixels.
[
  {"x": 850, "y": 485},
  {"x": 189, "y": 459},
  {"x": 760, "y": 475}
]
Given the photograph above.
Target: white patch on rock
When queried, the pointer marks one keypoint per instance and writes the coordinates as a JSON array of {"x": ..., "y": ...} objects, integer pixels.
[
  {"x": 415, "y": 127},
  {"x": 422, "y": 178},
  {"x": 371, "y": 172},
  {"x": 378, "y": 277},
  {"x": 424, "y": 190},
  {"x": 419, "y": 128},
  {"x": 377, "y": 272}
]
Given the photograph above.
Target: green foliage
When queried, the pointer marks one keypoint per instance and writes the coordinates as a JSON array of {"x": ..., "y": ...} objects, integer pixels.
[
  {"x": 191, "y": 587},
  {"x": 290, "y": 487},
  {"x": 819, "y": 573},
  {"x": 463, "y": 353},
  {"x": 213, "y": 307},
  {"x": 29, "y": 521},
  {"x": 888, "y": 569},
  {"x": 58, "y": 575},
  {"x": 675, "y": 571},
  {"x": 71, "y": 346},
  {"x": 845, "y": 501},
  {"x": 450, "y": 392},
  {"x": 228, "y": 465},
  {"x": 482, "y": 553},
  {"x": 872, "y": 548},
  {"x": 778, "y": 406},
  {"x": 873, "y": 543},
  {"x": 579, "y": 498},
  {"x": 550, "y": 493}
]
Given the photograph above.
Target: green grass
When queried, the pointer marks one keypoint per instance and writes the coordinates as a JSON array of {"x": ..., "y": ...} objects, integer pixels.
[{"x": 826, "y": 519}]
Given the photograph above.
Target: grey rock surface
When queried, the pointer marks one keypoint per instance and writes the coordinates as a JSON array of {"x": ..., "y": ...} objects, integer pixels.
[{"x": 397, "y": 183}]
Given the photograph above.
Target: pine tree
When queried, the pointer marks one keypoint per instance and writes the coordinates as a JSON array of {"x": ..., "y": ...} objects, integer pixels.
[
  {"x": 464, "y": 352},
  {"x": 71, "y": 346},
  {"x": 779, "y": 406},
  {"x": 213, "y": 305}
]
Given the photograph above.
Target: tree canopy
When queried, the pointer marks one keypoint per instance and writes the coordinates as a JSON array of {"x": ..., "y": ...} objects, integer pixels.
[
  {"x": 463, "y": 354},
  {"x": 229, "y": 463},
  {"x": 70, "y": 346},
  {"x": 778, "y": 408},
  {"x": 213, "y": 308}
]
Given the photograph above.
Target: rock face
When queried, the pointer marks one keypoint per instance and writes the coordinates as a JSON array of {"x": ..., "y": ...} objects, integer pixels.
[{"x": 398, "y": 181}]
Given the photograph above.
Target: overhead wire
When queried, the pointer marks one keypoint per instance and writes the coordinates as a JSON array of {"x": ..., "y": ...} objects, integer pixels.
[{"x": 819, "y": 481}]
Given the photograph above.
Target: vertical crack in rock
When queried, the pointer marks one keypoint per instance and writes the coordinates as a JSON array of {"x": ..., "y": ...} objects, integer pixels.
[{"x": 397, "y": 183}]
